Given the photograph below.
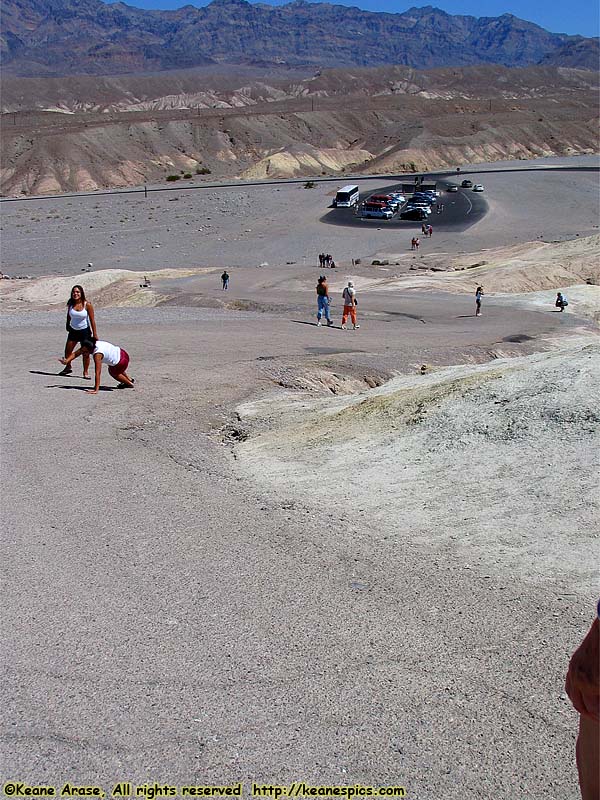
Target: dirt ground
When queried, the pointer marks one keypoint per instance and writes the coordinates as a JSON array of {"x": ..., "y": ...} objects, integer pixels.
[{"x": 299, "y": 553}]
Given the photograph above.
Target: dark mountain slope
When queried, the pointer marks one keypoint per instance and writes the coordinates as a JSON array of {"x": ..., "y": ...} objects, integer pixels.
[{"x": 62, "y": 37}]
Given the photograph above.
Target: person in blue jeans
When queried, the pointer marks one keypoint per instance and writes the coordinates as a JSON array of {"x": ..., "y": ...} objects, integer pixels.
[{"x": 323, "y": 301}]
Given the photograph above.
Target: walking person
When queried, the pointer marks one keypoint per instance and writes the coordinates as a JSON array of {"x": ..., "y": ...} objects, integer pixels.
[
  {"x": 478, "y": 298},
  {"x": 323, "y": 301},
  {"x": 424, "y": 229},
  {"x": 350, "y": 303},
  {"x": 417, "y": 242},
  {"x": 413, "y": 243},
  {"x": 430, "y": 231},
  {"x": 81, "y": 324},
  {"x": 225, "y": 280},
  {"x": 116, "y": 358}
]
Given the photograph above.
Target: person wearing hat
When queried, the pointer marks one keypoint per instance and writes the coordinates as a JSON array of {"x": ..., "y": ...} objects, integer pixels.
[
  {"x": 116, "y": 358},
  {"x": 323, "y": 300},
  {"x": 349, "y": 295}
]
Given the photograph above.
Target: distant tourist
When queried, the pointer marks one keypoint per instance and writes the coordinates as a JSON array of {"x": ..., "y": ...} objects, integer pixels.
[
  {"x": 583, "y": 687},
  {"x": 225, "y": 280},
  {"x": 424, "y": 229},
  {"x": 116, "y": 358},
  {"x": 333, "y": 264},
  {"x": 350, "y": 303},
  {"x": 81, "y": 324},
  {"x": 321, "y": 258},
  {"x": 323, "y": 301},
  {"x": 561, "y": 301},
  {"x": 430, "y": 231},
  {"x": 414, "y": 243},
  {"x": 478, "y": 298}
]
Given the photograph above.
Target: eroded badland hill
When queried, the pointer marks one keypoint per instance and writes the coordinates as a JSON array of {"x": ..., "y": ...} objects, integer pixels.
[{"x": 79, "y": 133}]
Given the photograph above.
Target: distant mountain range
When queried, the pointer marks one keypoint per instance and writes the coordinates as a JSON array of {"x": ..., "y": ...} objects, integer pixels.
[{"x": 78, "y": 37}]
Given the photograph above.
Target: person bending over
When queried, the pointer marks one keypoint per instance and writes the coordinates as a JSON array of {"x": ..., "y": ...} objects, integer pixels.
[
  {"x": 116, "y": 358},
  {"x": 561, "y": 301}
]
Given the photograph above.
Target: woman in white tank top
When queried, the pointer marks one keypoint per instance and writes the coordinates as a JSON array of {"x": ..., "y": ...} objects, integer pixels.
[{"x": 81, "y": 324}]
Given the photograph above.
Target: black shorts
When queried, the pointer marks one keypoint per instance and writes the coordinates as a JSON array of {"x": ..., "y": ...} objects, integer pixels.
[{"x": 79, "y": 336}]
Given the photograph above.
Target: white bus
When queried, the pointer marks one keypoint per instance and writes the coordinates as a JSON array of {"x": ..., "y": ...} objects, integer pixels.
[{"x": 347, "y": 196}]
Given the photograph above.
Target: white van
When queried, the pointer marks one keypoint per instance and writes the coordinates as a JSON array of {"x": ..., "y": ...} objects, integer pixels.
[
  {"x": 376, "y": 212},
  {"x": 347, "y": 197}
]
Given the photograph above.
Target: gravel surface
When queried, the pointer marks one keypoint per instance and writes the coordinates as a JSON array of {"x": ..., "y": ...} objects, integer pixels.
[
  {"x": 237, "y": 227},
  {"x": 237, "y": 572}
]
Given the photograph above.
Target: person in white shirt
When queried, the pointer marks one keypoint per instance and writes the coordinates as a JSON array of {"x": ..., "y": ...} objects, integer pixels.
[
  {"x": 350, "y": 303},
  {"x": 116, "y": 358},
  {"x": 81, "y": 324}
]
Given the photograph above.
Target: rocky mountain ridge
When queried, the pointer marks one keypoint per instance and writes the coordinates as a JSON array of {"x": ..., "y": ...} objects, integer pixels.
[{"x": 68, "y": 37}]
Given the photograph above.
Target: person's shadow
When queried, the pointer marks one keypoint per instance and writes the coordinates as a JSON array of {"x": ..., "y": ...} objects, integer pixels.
[
  {"x": 40, "y": 372},
  {"x": 78, "y": 388}
]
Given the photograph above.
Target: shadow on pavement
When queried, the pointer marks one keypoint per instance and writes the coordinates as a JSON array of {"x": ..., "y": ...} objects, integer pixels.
[{"x": 79, "y": 388}]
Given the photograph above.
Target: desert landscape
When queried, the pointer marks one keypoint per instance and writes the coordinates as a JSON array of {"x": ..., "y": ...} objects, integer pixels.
[
  {"x": 83, "y": 134},
  {"x": 297, "y": 552},
  {"x": 351, "y": 556}
]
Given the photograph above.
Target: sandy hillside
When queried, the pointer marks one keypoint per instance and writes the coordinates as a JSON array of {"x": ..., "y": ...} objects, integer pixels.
[
  {"x": 313, "y": 557},
  {"x": 441, "y": 457},
  {"x": 129, "y": 131},
  {"x": 529, "y": 273}
]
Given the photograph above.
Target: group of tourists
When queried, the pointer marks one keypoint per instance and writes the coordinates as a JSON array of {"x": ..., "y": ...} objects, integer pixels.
[
  {"x": 82, "y": 335},
  {"x": 427, "y": 230},
  {"x": 324, "y": 304},
  {"x": 326, "y": 260},
  {"x": 82, "y": 340}
]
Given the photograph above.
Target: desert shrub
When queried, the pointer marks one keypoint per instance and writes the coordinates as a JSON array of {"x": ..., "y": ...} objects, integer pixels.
[
  {"x": 309, "y": 185},
  {"x": 173, "y": 177},
  {"x": 202, "y": 171},
  {"x": 187, "y": 175}
]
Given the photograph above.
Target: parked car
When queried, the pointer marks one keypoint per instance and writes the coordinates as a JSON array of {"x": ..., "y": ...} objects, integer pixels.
[
  {"x": 479, "y": 187},
  {"x": 466, "y": 184},
  {"x": 399, "y": 197},
  {"x": 388, "y": 199},
  {"x": 452, "y": 188},
  {"x": 416, "y": 204},
  {"x": 426, "y": 198},
  {"x": 376, "y": 211},
  {"x": 418, "y": 214}
]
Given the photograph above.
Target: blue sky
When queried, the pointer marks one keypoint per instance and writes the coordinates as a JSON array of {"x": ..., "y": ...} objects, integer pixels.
[{"x": 576, "y": 16}]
